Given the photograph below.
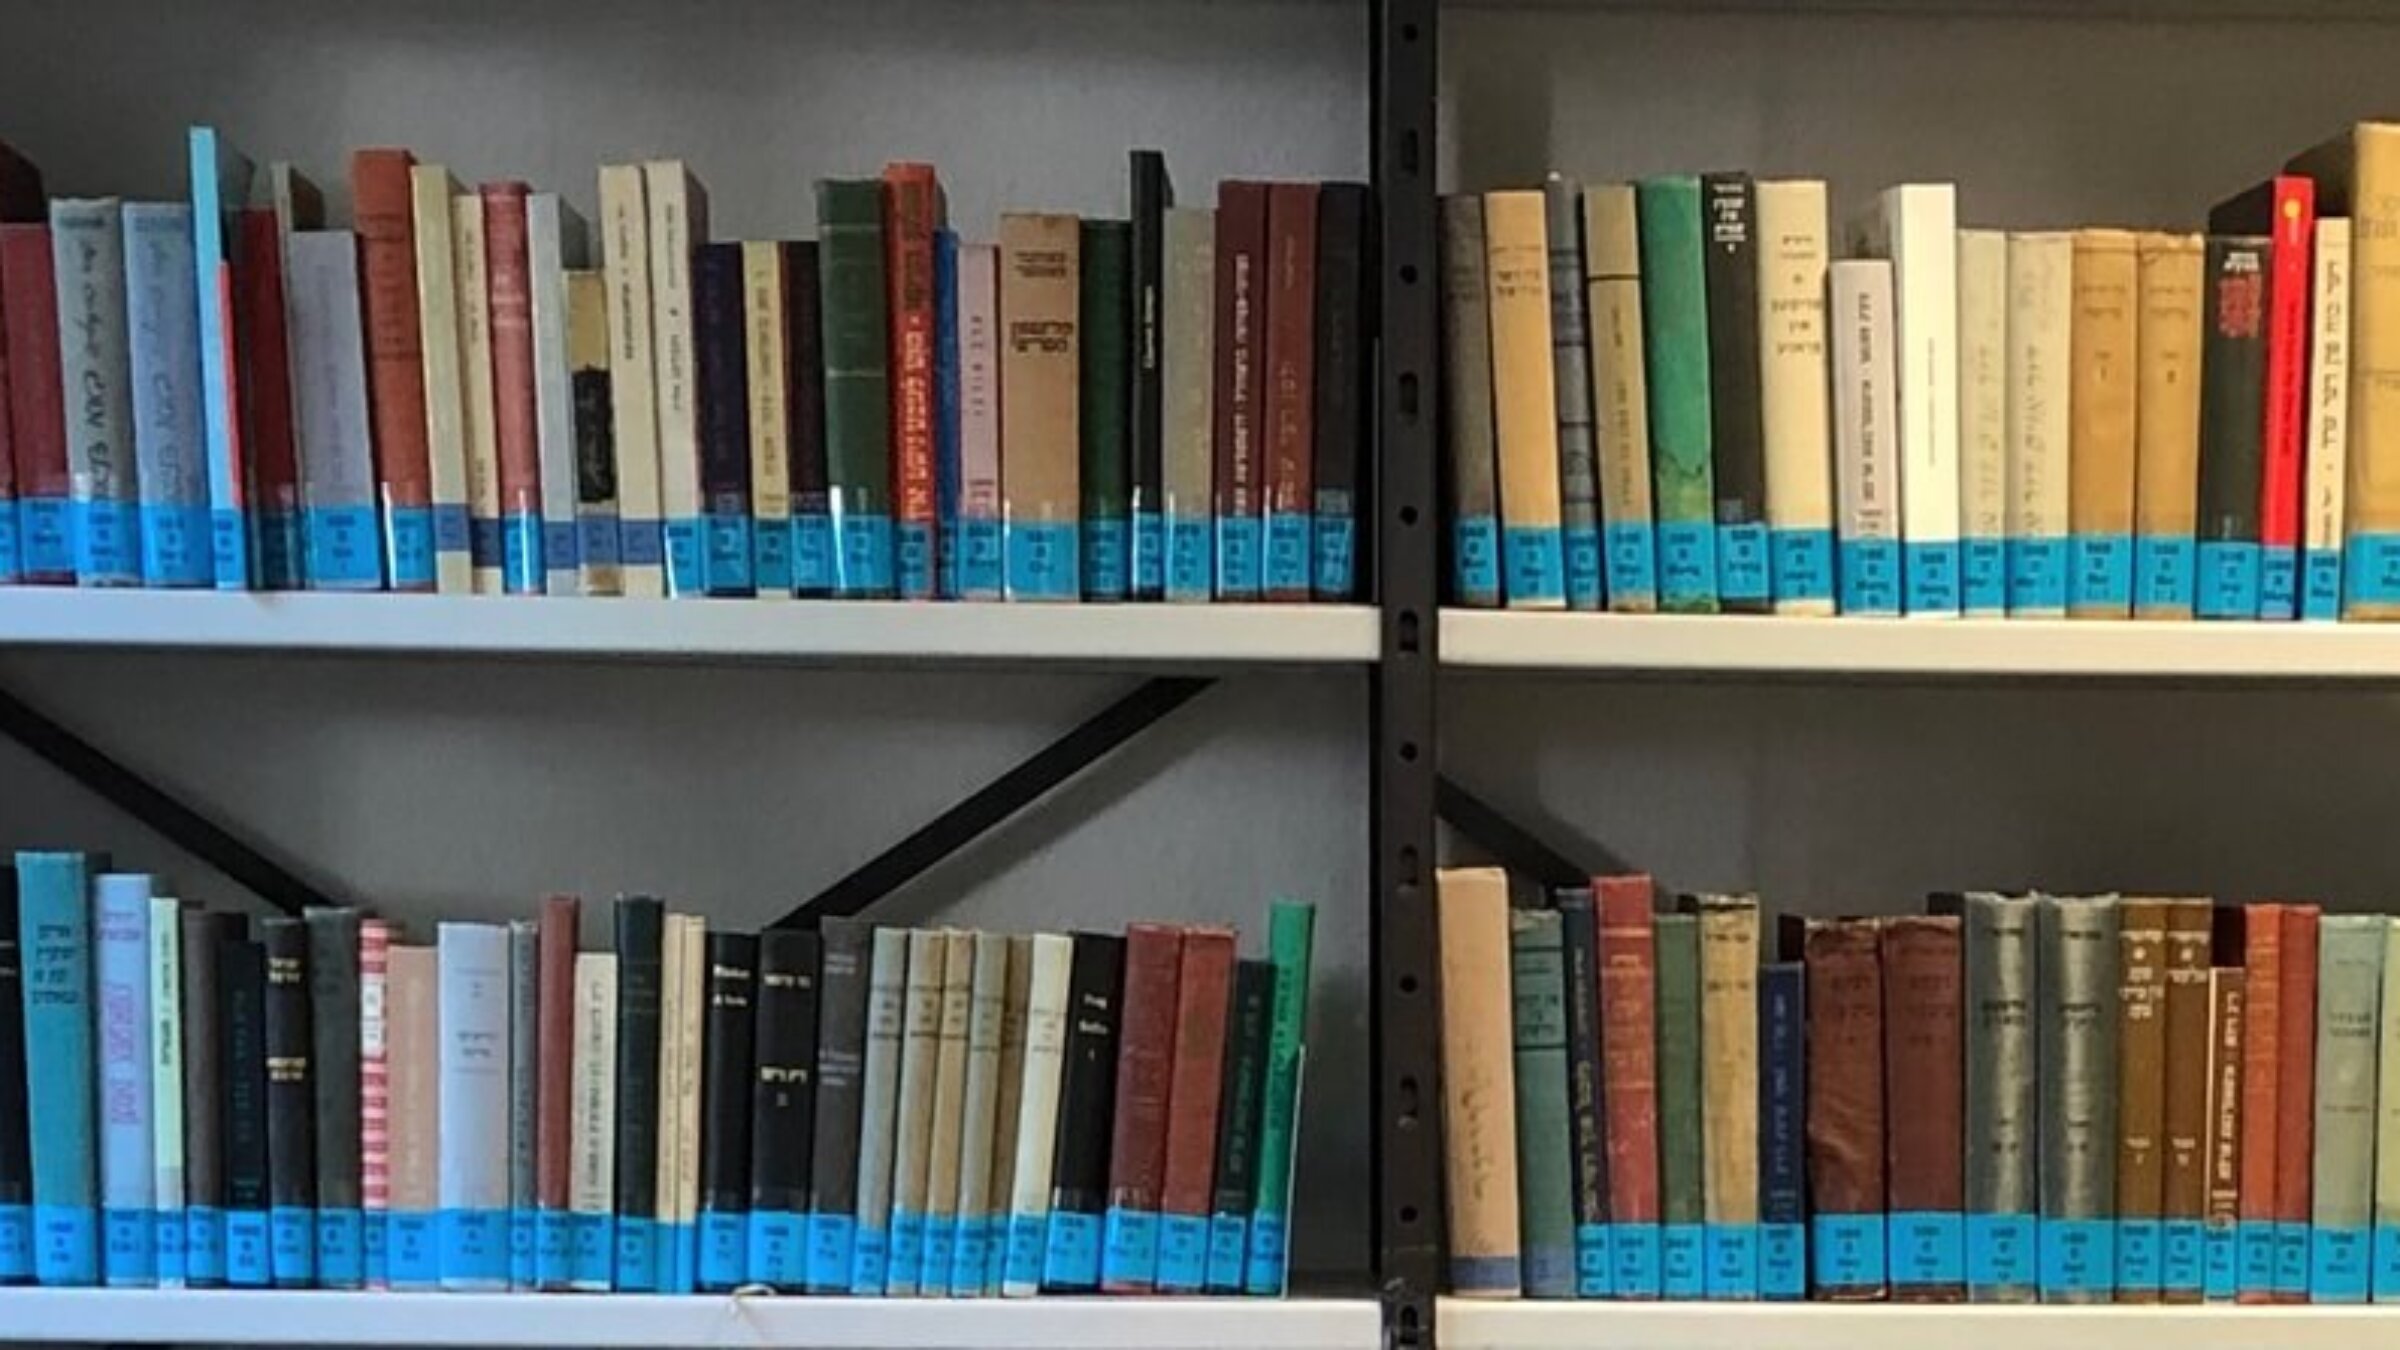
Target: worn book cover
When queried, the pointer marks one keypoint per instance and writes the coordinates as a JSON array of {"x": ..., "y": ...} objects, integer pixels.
[
  {"x": 1612, "y": 266},
  {"x": 1570, "y": 341},
  {"x": 2079, "y": 1020},
  {"x": 2174, "y": 284},
  {"x": 1675, "y": 339},
  {"x": 1479, "y": 1096},
  {"x": 1729, "y": 1091},
  {"x": 2141, "y": 1096},
  {"x": 1469, "y": 455},
  {"x": 2041, "y": 303},
  {"x": 2102, "y": 395},
  {"x": 1846, "y": 1134}
]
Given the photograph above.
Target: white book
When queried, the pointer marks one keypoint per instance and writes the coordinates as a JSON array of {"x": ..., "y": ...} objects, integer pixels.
[
  {"x": 473, "y": 1135},
  {"x": 1866, "y": 452},
  {"x": 979, "y": 420},
  {"x": 664, "y": 1164},
  {"x": 2041, "y": 308},
  {"x": 690, "y": 1062},
  {"x": 879, "y": 1093},
  {"x": 632, "y": 378},
  {"x": 1794, "y": 388},
  {"x": 341, "y": 530},
  {"x": 556, "y": 241},
  {"x": 986, "y": 1015},
  {"x": 431, "y": 189},
  {"x": 1916, "y": 226},
  {"x": 477, "y": 400},
  {"x": 920, "y": 1055},
  {"x": 128, "y": 1153},
  {"x": 592, "y": 1114},
  {"x": 2327, "y": 438},
  {"x": 1983, "y": 422},
  {"x": 768, "y": 370},
  {"x": 678, "y": 226},
  {"x": 166, "y": 1083},
  {"x": 1037, "y": 1103}
]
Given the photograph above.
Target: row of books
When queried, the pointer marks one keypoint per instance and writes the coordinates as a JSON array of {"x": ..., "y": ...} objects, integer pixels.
[
  {"x": 2007, "y": 1098},
  {"x": 1670, "y": 395},
  {"x": 189, "y": 1099},
  {"x": 462, "y": 395}
]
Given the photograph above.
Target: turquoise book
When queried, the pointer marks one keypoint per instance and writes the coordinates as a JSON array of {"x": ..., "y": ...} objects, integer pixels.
[
  {"x": 54, "y": 920},
  {"x": 1291, "y": 929},
  {"x": 220, "y": 189},
  {"x": 162, "y": 308}
]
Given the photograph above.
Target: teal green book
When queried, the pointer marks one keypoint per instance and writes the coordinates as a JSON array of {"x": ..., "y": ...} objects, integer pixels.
[
  {"x": 858, "y": 466},
  {"x": 1682, "y": 1215},
  {"x": 1105, "y": 408},
  {"x": 1537, "y": 973},
  {"x": 1291, "y": 929},
  {"x": 1675, "y": 336}
]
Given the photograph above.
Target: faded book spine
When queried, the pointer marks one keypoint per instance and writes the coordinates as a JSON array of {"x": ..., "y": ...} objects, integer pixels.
[
  {"x": 1190, "y": 335},
  {"x": 171, "y": 457},
  {"x": 2041, "y": 303},
  {"x": 1524, "y": 400},
  {"x": 2295, "y": 1103},
  {"x": 1204, "y": 1005},
  {"x": 515, "y": 418},
  {"x": 553, "y": 1051},
  {"x": 2141, "y": 1085},
  {"x": 524, "y": 1093},
  {"x": 340, "y": 544},
  {"x": 1479, "y": 1096},
  {"x": 879, "y": 1093},
  {"x": 1137, "y": 1158},
  {"x": 2184, "y": 1263},
  {"x": 1629, "y": 1074},
  {"x": 948, "y": 1109},
  {"x": 2002, "y": 973},
  {"x": 1040, "y": 360},
  {"x": 1469, "y": 458},
  {"x": 1729, "y": 1091},
  {"x": 2078, "y": 1021},
  {"x": 1579, "y": 939},
  {"x": 1044, "y": 1059},
  {"x": 1538, "y": 1000},
  {"x": 2327, "y": 431},
  {"x": 591, "y": 1164},
  {"x": 1924, "y": 1081},
  {"x": 2387, "y": 1125},
  {"x": 1795, "y": 392},
  {"x": 87, "y": 240},
  {"x": 913, "y": 1117},
  {"x": 987, "y": 1016},
  {"x": 2101, "y": 398},
  {"x": 1570, "y": 345},
  {"x": 120, "y": 904},
  {"x": 1845, "y": 1109},
  {"x": 2342, "y": 1206},
  {"x": 1983, "y": 422},
  {"x": 833, "y": 1166},
  {"x": 1612, "y": 263},
  {"x": 1682, "y": 1119}
]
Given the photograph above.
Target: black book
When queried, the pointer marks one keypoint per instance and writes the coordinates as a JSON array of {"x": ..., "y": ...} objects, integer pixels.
[
  {"x": 1248, "y": 1028},
  {"x": 719, "y": 339},
  {"x": 2233, "y": 403},
  {"x": 783, "y": 1090},
  {"x": 595, "y": 446},
  {"x": 16, "y": 1159},
  {"x": 333, "y": 1003},
  {"x": 1087, "y": 1096},
  {"x": 242, "y": 995},
  {"x": 1579, "y": 933},
  {"x": 728, "y": 1031},
  {"x": 291, "y": 1101},
  {"x": 641, "y": 921},
  {"x": 804, "y": 413},
  {"x": 1153, "y": 193},
  {"x": 1737, "y": 426},
  {"x": 847, "y": 951},
  {"x": 204, "y": 1109},
  {"x": 1344, "y": 388}
]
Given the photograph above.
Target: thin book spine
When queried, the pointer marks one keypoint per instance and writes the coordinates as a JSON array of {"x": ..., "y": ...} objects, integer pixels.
[
  {"x": 1037, "y": 1119},
  {"x": 2000, "y": 961},
  {"x": 1579, "y": 939},
  {"x": 1983, "y": 423},
  {"x": 833, "y": 1168},
  {"x": 1238, "y": 405},
  {"x": 1137, "y": 1155},
  {"x": 470, "y": 242},
  {"x": 1629, "y": 1080},
  {"x": 374, "y": 1099},
  {"x": 1469, "y": 462},
  {"x": 2233, "y": 393},
  {"x": 804, "y": 338},
  {"x": 1151, "y": 196},
  {"x": 166, "y": 1076},
  {"x": 913, "y": 1116},
  {"x": 524, "y": 1094},
  {"x": 2102, "y": 396},
  {"x": 121, "y": 980},
  {"x": 2184, "y": 1260},
  {"x": 678, "y": 221},
  {"x": 2227, "y": 1025},
  {"x": 221, "y": 182},
  {"x": 2141, "y": 1087},
  {"x": 879, "y": 1092},
  {"x": 2328, "y": 427},
  {"x": 430, "y": 189},
  {"x": 1782, "y": 1131},
  {"x": 242, "y": 984},
  {"x": 731, "y": 1030},
  {"x": 2295, "y": 1103},
  {"x": 1729, "y": 1092},
  {"x": 2262, "y": 1087},
  {"x": 291, "y": 1105},
  {"x": 204, "y": 1096},
  {"x": 2173, "y": 287},
  {"x": 1291, "y": 929},
  {"x": 1682, "y": 1113},
  {"x": 1291, "y": 295},
  {"x": 2078, "y": 1022},
  {"x": 912, "y": 211},
  {"x": 633, "y": 399},
  {"x": 591, "y": 1122},
  {"x": 1345, "y": 391},
  {"x": 767, "y": 381},
  {"x": 556, "y": 244},
  {"x": 334, "y": 1071},
  {"x": 640, "y": 924},
  {"x": 1570, "y": 354},
  {"x": 1104, "y": 327},
  {"x": 1087, "y": 1091},
  {"x": 1545, "y": 1181},
  {"x": 556, "y": 941},
  {"x": 979, "y": 421},
  {"x": 987, "y": 1017},
  {"x": 727, "y": 527},
  {"x": 1795, "y": 382},
  {"x": 516, "y": 417},
  {"x": 1737, "y": 430}
]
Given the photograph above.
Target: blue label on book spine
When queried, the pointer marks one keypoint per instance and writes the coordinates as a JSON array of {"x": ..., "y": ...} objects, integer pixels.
[
  {"x": 2183, "y": 1265},
  {"x": 595, "y": 1254},
  {"x": 862, "y": 556},
  {"x": 1803, "y": 563},
  {"x": 1071, "y": 1252},
  {"x": 2291, "y": 1258},
  {"x": 1932, "y": 576},
  {"x": 166, "y": 1237},
  {"x": 1263, "y": 1269},
  {"x": 228, "y": 544},
  {"x": 524, "y": 559},
  {"x": 830, "y": 1260},
  {"x": 2101, "y": 567},
  {"x": 46, "y": 548},
  {"x": 1238, "y": 563},
  {"x": 1042, "y": 563},
  {"x": 687, "y": 569},
  {"x": 204, "y": 1245},
  {"x": 292, "y": 1245},
  {"x": 2257, "y": 1242},
  {"x": 724, "y": 1251},
  {"x": 1533, "y": 565},
  {"x": 1475, "y": 560},
  {"x": 342, "y": 548},
  {"x": 559, "y": 557},
  {"x": 485, "y": 544},
  {"x": 2278, "y": 582},
  {"x": 1742, "y": 566},
  {"x": 1028, "y": 1236},
  {"x": 2003, "y": 1251},
  {"x": 341, "y": 1250},
  {"x": 1189, "y": 558},
  {"x": 175, "y": 545},
  {"x": 726, "y": 561},
  {"x": 474, "y": 1244},
  {"x": 1547, "y": 1270},
  {"x": 1182, "y": 1253},
  {"x": 128, "y": 1254},
  {"x": 11, "y": 549},
  {"x": 1782, "y": 1261},
  {"x": 2141, "y": 1254},
  {"x": 2228, "y": 580},
  {"x": 1129, "y": 1249},
  {"x": 2164, "y": 574},
  {"x": 776, "y": 1250},
  {"x": 682, "y": 1256},
  {"x": 1870, "y": 576},
  {"x": 641, "y": 542},
  {"x": 553, "y": 1248},
  {"x": 1633, "y": 1247},
  {"x": 1107, "y": 573},
  {"x": 2222, "y": 1278},
  {"x": 1631, "y": 550},
  {"x": 107, "y": 542},
  {"x": 596, "y": 541},
  {"x": 1683, "y": 1260},
  {"x": 907, "y": 1252},
  {"x": 16, "y": 1243},
  {"x": 941, "y": 1247},
  {"x": 945, "y": 572},
  {"x": 1337, "y": 559},
  {"x": 520, "y": 1249},
  {"x": 1149, "y": 557},
  {"x": 970, "y": 1255},
  {"x": 408, "y": 539},
  {"x": 1983, "y": 572},
  {"x": 1846, "y": 1251},
  {"x": 771, "y": 556},
  {"x": 1732, "y": 1261},
  {"x": 1687, "y": 564},
  {"x": 453, "y": 531},
  {"x": 2338, "y": 1265},
  {"x": 2079, "y": 1256},
  {"x": 915, "y": 553},
  {"x": 374, "y": 1234},
  {"x": 868, "y": 1261},
  {"x": 2321, "y": 584},
  {"x": 1228, "y": 1246},
  {"x": 982, "y": 572},
  {"x": 2371, "y": 570},
  {"x": 2037, "y": 575},
  {"x": 637, "y": 1255},
  {"x": 1288, "y": 541},
  {"x": 2386, "y": 1280},
  {"x": 812, "y": 553},
  {"x": 281, "y": 554},
  {"x": 1594, "y": 1272},
  {"x": 1927, "y": 1247},
  {"x": 248, "y": 1264},
  {"x": 1582, "y": 545}
]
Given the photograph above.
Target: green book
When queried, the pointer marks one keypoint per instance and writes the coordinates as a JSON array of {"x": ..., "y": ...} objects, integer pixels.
[
  {"x": 1682, "y": 1214},
  {"x": 1675, "y": 335},
  {"x": 1291, "y": 927},
  {"x": 2342, "y": 1206},
  {"x": 1537, "y": 973},
  {"x": 1105, "y": 408},
  {"x": 858, "y": 468}
]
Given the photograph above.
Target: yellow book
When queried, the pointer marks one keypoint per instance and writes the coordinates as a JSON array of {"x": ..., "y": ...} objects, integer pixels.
[
  {"x": 1729, "y": 1065},
  {"x": 475, "y": 389},
  {"x": 1795, "y": 386},
  {"x": 632, "y": 379},
  {"x": 1612, "y": 266},
  {"x": 770, "y": 449},
  {"x": 1524, "y": 400},
  {"x": 1479, "y": 1093},
  {"x": 2166, "y": 489},
  {"x": 431, "y": 190},
  {"x": 2101, "y": 434}
]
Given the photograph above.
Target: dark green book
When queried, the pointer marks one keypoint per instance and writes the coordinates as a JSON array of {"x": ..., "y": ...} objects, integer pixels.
[
  {"x": 1682, "y": 1214},
  {"x": 1675, "y": 336},
  {"x": 1244, "y": 1082},
  {"x": 1291, "y": 937},
  {"x": 1105, "y": 407},
  {"x": 1545, "y": 1166},
  {"x": 858, "y": 467},
  {"x": 1580, "y": 935}
]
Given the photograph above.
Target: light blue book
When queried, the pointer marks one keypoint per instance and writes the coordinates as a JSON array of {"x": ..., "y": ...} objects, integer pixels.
[
  {"x": 128, "y": 1150},
  {"x": 87, "y": 247},
  {"x": 220, "y": 188},
  {"x": 472, "y": 1175},
  {"x": 54, "y": 922},
  {"x": 162, "y": 310},
  {"x": 341, "y": 528}
]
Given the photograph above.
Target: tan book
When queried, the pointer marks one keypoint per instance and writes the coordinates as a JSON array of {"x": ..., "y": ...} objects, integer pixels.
[
  {"x": 2326, "y": 439},
  {"x": 942, "y": 1162},
  {"x": 1041, "y": 257},
  {"x": 1479, "y": 1094},
  {"x": 1729, "y": 1062},
  {"x": 1188, "y": 303},
  {"x": 1612, "y": 266},
  {"x": 2166, "y": 493},
  {"x": 1013, "y": 1010},
  {"x": 1795, "y": 383},
  {"x": 2141, "y": 1078},
  {"x": 587, "y": 357},
  {"x": 2226, "y": 1025},
  {"x": 592, "y": 1110},
  {"x": 632, "y": 376},
  {"x": 691, "y": 1062},
  {"x": 678, "y": 208},
  {"x": 987, "y": 1017},
  {"x": 478, "y": 416},
  {"x": 767, "y": 372},
  {"x": 413, "y": 1059},
  {"x": 2041, "y": 303},
  {"x": 1524, "y": 394},
  {"x": 1983, "y": 422},
  {"x": 431, "y": 191},
  {"x": 912, "y": 1119},
  {"x": 2185, "y": 1203},
  {"x": 671, "y": 996},
  {"x": 2102, "y": 434}
]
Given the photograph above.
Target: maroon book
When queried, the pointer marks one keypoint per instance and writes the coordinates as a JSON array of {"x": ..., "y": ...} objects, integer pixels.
[
  {"x": 1240, "y": 404},
  {"x": 37, "y": 417},
  {"x": 387, "y": 295},
  {"x": 1203, "y": 1003},
  {"x": 1845, "y": 1078},
  {"x": 553, "y": 1132},
  {"x": 1290, "y": 441},
  {"x": 1924, "y": 1054},
  {"x": 1137, "y": 1152},
  {"x": 1628, "y": 1047}
]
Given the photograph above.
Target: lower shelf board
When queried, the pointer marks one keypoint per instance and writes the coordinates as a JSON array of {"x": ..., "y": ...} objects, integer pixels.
[
  {"x": 1468, "y": 1324},
  {"x": 314, "y": 1318}
]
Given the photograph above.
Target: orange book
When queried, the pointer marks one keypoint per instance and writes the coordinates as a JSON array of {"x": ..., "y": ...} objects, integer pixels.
[
  {"x": 2295, "y": 1102},
  {"x": 387, "y": 295},
  {"x": 2262, "y": 1031}
]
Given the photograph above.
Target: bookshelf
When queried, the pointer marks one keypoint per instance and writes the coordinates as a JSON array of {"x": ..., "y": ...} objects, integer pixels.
[{"x": 1467, "y": 1325}]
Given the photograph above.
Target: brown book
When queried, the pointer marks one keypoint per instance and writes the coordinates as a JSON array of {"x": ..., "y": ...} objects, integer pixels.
[
  {"x": 2167, "y": 456},
  {"x": 2262, "y": 1085},
  {"x": 387, "y": 297},
  {"x": 2227, "y": 1022},
  {"x": 1137, "y": 1152},
  {"x": 508, "y": 287},
  {"x": 1041, "y": 356},
  {"x": 1845, "y": 1083},
  {"x": 1629, "y": 1050},
  {"x": 2104, "y": 334},
  {"x": 553, "y": 1137},
  {"x": 1924, "y": 1066},
  {"x": 1241, "y": 334},
  {"x": 1203, "y": 998},
  {"x": 2296, "y": 1103},
  {"x": 2141, "y": 1093},
  {"x": 413, "y": 1052},
  {"x": 1290, "y": 388},
  {"x": 2184, "y": 1201},
  {"x": 1479, "y": 1094}
]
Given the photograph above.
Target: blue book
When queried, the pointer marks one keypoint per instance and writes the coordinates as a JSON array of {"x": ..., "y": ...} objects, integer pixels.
[
  {"x": 128, "y": 1149},
  {"x": 163, "y": 317},
  {"x": 55, "y": 927},
  {"x": 1783, "y": 1130},
  {"x": 947, "y": 465},
  {"x": 220, "y": 188}
]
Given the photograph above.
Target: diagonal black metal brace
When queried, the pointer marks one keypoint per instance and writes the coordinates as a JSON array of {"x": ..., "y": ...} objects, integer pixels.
[
  {"x": 180, "y": 823},
  {"x": 997, "y": 800},
  {"x": 1518, "y": 849}
]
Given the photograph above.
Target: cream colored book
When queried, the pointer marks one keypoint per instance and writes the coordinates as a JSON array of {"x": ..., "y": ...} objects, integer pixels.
[
  {"x": 987, "y": 1017},
  {"x": 1009, "y": 1105},
  {"x": 2327, "y": 436},
  {"x": 770, "y": 450},
  {"x": 664, "y": 1166},
  {"x": 1612, "y": 265},
  {"x": 678, "y": 226},
  {"x": 1037, "y": 1104},
  {"x": 2387, "y": 1090},
  {"x": 592, "y": 1105},
  {"x": 2166, "y": 472},
  {"x": 414, "y": 1040},
  {"x": 1524, "y": 400},
  {"x": 1189, "y": 304},
  {"x": 1795, "y": 382},
  {"x": 690, "y": 1063},
  {"x": 481, "y": 420},
  {"x": 1983, "y": 422},
  {"x": 1916, "y": 226},
  {"x": 431, "y": 192},
  {"x": 942, "y": 1162},
  {"x": 557, "y": 242},
  {"x": 166, "y": 1066},
  {"x": 1040, "y": 368},
  {"x": 1729, "y": 1065},
  {"x": 879, "y": 1090},
  {"x": 912, "y": 1120},
  {"x": 632, "y": 377},
  {"x": 1479, "y": 1095},
  {"x": 2041, "y": 302},
  {"x": 1866, "y": 435},
  {"x": 2102, "y": 434}
]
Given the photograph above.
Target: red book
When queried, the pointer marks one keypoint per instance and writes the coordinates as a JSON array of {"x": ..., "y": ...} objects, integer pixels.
[
  {"x": 509, "y": 286},
  {"x": 265, "y": 367},
  {"x": 1628, "y": 1048},
  {"x": 1137, "y": 1151},
  {"x": 1241, "y": 337},
  {"x": 1291, "y": 454},
  {"x": 1924, "y": 1063},
  {"x": 911, "y": 212},
  {"x": 553, "y": 1114},
  {"x": 1847, "y": 1117},
  {"x": 2296, "y": 1093},
  {"x": 2262, "y": 1038},
  {"x": 37, "y": 422},
  {"x": 1202, "y": 1004},
  {"x": 387, "y": 297},
  {"x": 2284, "y": 208}
]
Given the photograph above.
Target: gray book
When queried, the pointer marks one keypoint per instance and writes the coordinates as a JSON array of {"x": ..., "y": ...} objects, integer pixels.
[
  {"x": 333, "y": 1072},
  {"x": 524, "y": 1091},
  {"x": 1570, "y": 360},
  {"x": 912, "y": 1149},
  {"x": 841, "y": 1046},
  {"x": 162, "y": 319},
  {"x": 2349, "y": 996},
  {"x": 1189, "y": 301},
  {"x": 2077, "y": 1020},
  {"x": 1468, "y": 433},
  {"x": 879, "y": 1096},
  {"x": 1546, "y": 1171},
  {"x": 2003, "y": 1067},
  {"x": 87, "y": 250},
  {"x": 340, "y": 526}
]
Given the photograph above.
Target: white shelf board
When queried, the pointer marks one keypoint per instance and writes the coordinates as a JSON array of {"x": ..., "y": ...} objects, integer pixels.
[
  {"x": 1465, "y": 1324},
  {"x": 277, "y": 1317},
  {"x": 1966, "y": 649},
  {"x": 886, "y": 632}
]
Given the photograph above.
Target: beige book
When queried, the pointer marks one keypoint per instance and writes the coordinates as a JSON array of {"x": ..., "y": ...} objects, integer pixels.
[
  {"x": 1016, "y": 994},
  {"x": 1040, "y": 373},
  {"x": 1612, "y": 266},
  {"x": 2166, "y": 489},
  {"x": 770, "y": 450},
  {"x": 1729, "y": 1057},
  {"x": 632, "y": 376},
  {"x": 1983, "y": 422},
  {"x": 671, "y": 995},
  {"x": 690, "y": 1063},
  {"x": 478, "y": 416},
  {"x": 592, "y": 1103},
  {"x": 1037, "y": 1104},
  {"x": 413, "y": 984},
  {"x": 2326, "y": 440},
  {"x": 2102, "y": 433},
  {"x": 2041, "y": 305},
  {"x": 912, "y": 1120},
  {"x": 979, "y": 1108},
  {"x": 1188, "y": 301},
  {"x": 2387, "y": 1081},
  {"x": 587, "y": 353},
  {"x": 1479, "y": 1094},
  {"x": 1795, "y": 382},
  {"x": 431, "y": 191},
  {"x": 678, "y": 226},
  {"x": 1524, "y": 379},
  {"x": 942, "y": 1162}
]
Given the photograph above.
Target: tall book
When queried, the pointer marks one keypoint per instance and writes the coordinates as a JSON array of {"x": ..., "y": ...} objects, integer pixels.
[
  {"x": 1629, "y": 1079},
  {"x": 2227, "y": 1024},
  {"x": 1345, "y": 387},
  {"x": 2102, "y": 439},
  {"x": 2283, "y": 209},
  {"x": 2077, "y": 1022},
  {"x": 271, "y": 411},
  {"x": 121, "y": 984},
  {"x": 516, "y": 416},
  {"x": 1570, "y": 350},
  {"x": 730, "y": 1031},
  {"x": 1737, "y": 430},
  {"x": 1794, "y": 379},
  {"x": 1546, "y": 1187},
  {"x": 1151, "y": 195},
  {"x": 1086, "y": 1094},
  {"x": 2327, "y": 431},
  {"x": 221, "y": 182},
  {"x": 87, "y": 241},
  {"x": 2041, "y": 307},
  {"x": 912, "y": 211},
  {"x": 1104, "y": 388},
  {"x": 987, "y": 1034},
  {"x": 552, "y": 1052},
  {"x": 1291, "y": 935},
  {"x": 783, "y": 1091},
  {"x": 54, "y": 925},
  {"x": 170, "y": 454},
  {"x": 37, "y": 424},
  {"x": 431, "y": 189},
  {"x": 1682, "y": 1111},
  {"x": 1524, "y": 400},
  {"x": 2233, "y": 392},
  {"x": 2173, "y": 285},
  {"x": 1204, "y": 1008},
  {"x": 166, "y": 1076},
  {"x": 678, "y": 210},
  {"x": 2262, "y": 1087},
  {"x": 374, "y": 1099},
  {"x": 767, "y": 380},
  {"x": 470, "y": 244},
  {"x": 948, "y": 1110},
  {"x": 2342, "y": 1204},
  {"x": 242, "y": 984},
  {"x": 1189, "y": 412},
  {"x": 1675, "y": 340},
  {"x": 334, "y": 1051},
  {"x": 1866, "y": 437},
  {"x": 887, "y": 998},
  {"x": 1040, "y": 358},
  {"x": 979, "y": 576},
  {"x": 557, "y": 244},
  {"x": 413, "y": 1049},
  {"x": 1479, "y": 1097},
  {"x": 1846, "y": 1135},
  {"x": 728, "y": 526},
  {"x": 1239, "y": 402},
  {"x": 1137, "y": 1154},
  {"x": 474, "y": 1057},
  {"x": 2141, "y": 1086},
  {"x": 1983, "y": 422},
  {"x": 625, "y": 248},
  {"x": 1033, "y": 1169},
  {"x": 16, "y": 1164},
  {"x": 1729, "y": 1091},
  {"x": 1290, "y": 390},
  {"x": 2183, "y": 1265},
  {"x": 1924, "y": 1134},
  {"x": 833, "y": 1168},
  {"x": 1579, "y": 940},
  {"x": 1612, "y": 266},
  {"x": 804, "y": 396},
  {"x": 291, "y": 1103},
  {"x": 2295, "y": 1103},
  {"x": 1247, "y": 1035},
  {"x": 1998, "y": 960},
  {"x": 524, "y": 1094},
  {"x": 591, "y": 1121},
  {"x": 1916, "y": 226},
  {"x": 913, "y": 1116},
  {"x": 689, "y": 1028},
  {"x": 204, "y": 1098},
  {"x": 342, "y": 546},
  {"x": 947, "y": 414},
  {"x": 1470, "y": 454},
  {"x": 1783, "y": 1131},
  {"x": 640, "y": 939}
]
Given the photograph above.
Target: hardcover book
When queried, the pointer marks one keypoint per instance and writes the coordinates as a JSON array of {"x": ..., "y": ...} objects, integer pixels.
[
  {"x": 2262, "y": 1087},
  {"x": 2077, "y": 1023},
  {"x": 2168, "y": 340},
  {"x": 170, "y": 453},
  {"x": 783, "y": 1092},
  {"x": 37, "y": 425},
  {"x": 2327, "y": 431},
  {"x": 291, "y": 1101},
  {"x": 1239, "y": 401},
  {"x": 431, "y": 191},
  {"x": 2183, "y": 1268},
  {"x": 1675, "y": 340},
  {"x": 1034, "y": 1168},
  {"x": 1104, "y": 407},
  {"x": 804, "y": 356},
  {"x": 1983, "y": 422},
  {"x": 592, "y": 1118},
  {"x": 1524, "y": 400},
  {"x": 1087, "y": 1089},
  {"x": 1204, "y": 1008},
  {"x": 625, "y": 250},
  {"x": 1290, "y": 391},
  {"x": 1924, "y": 1133},
  {"x": 557, "y": 244},
  {"x": 2041, "y": 307},
  {"x": 87, "y": 240},
  {"x": 121, "y": 984},
  {"x": 978, "y": 1130},
  {"x": 55, "y": 931},
  {"x": 767, "y": 380},
  {"x": 912, "y": 211},
  {"x": 1546, "y": 1205},
  {"x": 473, "y": 1095},
  {"x": 879, "y": 1091},
  {"x": 1470, "y": 457},
  {"x": 2141, "y": 1085},
  {"x": 1737, "y": 430},
  {"x": 1579, "y": 939},
  {"x": 1846, "y": 1135},
  {"x": 834, "y": 1155},
  {"x": 1682, "y": 1113},
  {"x": 1345, "y": 386},
  {"x": 1629, "y": 1079},
  {"x": 2102, "y": 437},
  {"x": 242, "y": 984},
  {"x": 640, "y": 937},
  {"x": 1291, "y": 928},
  {"x": 1479, "y": 1116},
  {"x": 1916, "y": 226},
  {"x": 342, "y": 544},
  {"x": 730, "y": 1028},
  {"x": 1570, "y": 349},
  {"x": 2342, "y": 1205},
  {"x": 727, "y": 519},
  {"x": 1866, "y": 445},
  {"x": 1137, "y": 1157},
  {"x": 470, "y": 244},
  {"x": 1040, "y": 355},
  {"x": 2283, "y": 210},
  {"x": 516, "y": 417},
  {"x": 1794, "y": 375},
  {"x": 2002, "y": 970},
  {"x": 1151, "y": 195},
  {"x": 913, "y": 1115},
  {"x": 2227, "y": 1026},
  {"x": 221, "y": 183},
  {"x": 979, "y": 566},
  {"x": 334, "y": 1050},
  {"x": 1729, "y": 1081},
  {"x": 387, "y": 290},
  {"x": 414, "y": 1052},
  {"x": 678, "y": 208},
  {"x": 2295, "y": 1103},
  {"x": 948, "y": 1110}
]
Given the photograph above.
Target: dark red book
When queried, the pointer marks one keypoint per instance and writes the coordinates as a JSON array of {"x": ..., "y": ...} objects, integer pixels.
[
  {"x": 1924, "y": 1059},
  {"x": 387, "y": 297},
  {"x": 1629, "y": 1052},
  {"x": 508, "y": 287},
  {"x": 1203, "y": 1002},
  {"x": 37, "y": 420},
  {"x": 911, "y": 213},
  {"x": 1137, "y": 1151},
  {"x": 1240, "y": 403},
  {"x": 266, "y": 373},
  {"x": 2283, "y": 208},
  {"x": 1291, "y": 493},
  {"x": 2295, "y": 1103},
  {"x": 1846, "y": 1119},
  {"x": 553, "y": 1131}
]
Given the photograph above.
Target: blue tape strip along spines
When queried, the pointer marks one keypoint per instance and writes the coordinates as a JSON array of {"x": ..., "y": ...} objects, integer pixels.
[
  {"x": 1129, "y": 1250},
  {"x": 128, "y": 1250},
  {"x": 2341, "y": 1264},
  {"x": 1634, "y": 1249},
  {"x": 1732, "y": 1262},
  {"x": 1071, "y": 1252},
  {"x": 1782, "y": 1261},
  {"x": 1846, "y": 1252},
  {"x": 1683, "y": 1260},
  {"x": 1028, "y": 1239},
  {"x": 292, "y": 1245},
  {"x": 2256, "y": 1247},
  {"x": 247, "y": 1263},
  {"x": 830, "y": 1252},
  {"x": 1228, "y": 1244},
  {"x": 1594, "y": 1261},
  {"x": 2003, "y": 1253},
  {"x": 724, "y": 1250}
]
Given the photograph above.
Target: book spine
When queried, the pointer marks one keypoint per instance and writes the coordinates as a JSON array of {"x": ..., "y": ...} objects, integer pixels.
[
  {"x": 434, "y": 297},
  {"x": 2141, "y": 1087},
  {"x": 1290, "y": 393},
  {"x": 203, "y": 1240},
  {"x": 1920, "y": 224},
  {"x": 16, "y": 1166},
  {"x": 121, "y": 978},
  {"x": 1087, "y": 1089},
  {"x": 1525, "y": 400},
  {"x": 242, "y": 983},
  {"x": 470, "y": 242},
  {"x": 1291, "y": 929},
  {"x": 524, "y": 1094},
  {"x": 640, "y": 934},
  {"x": 1479, "y": 1119},
  {"x": 1239, "y": 406},
  {"x": 555, "y": 245},
  {"x": 949, "y": 544},
  {"x": 979, "y": 1104},
  {"x": 1845, "y": 1110},
  {"x": 2233, "y": 395},
  {"x": 1151, "y": 195},
  {"x": 730, "y": 1033},
  {"x": 1008, "y": 1104},
  {"x": 666, "y": 1168},
  {"x": 767, "y": 380},
  {"x": 1570, "y": 365},
  {"x": 1999, "y": 959},
  {"x": 1038, "y": 1114},
  {"x": 2328, "y": 426},
  {"x": 1188, "y": 447},
  {"x": 291, "y": 1105},
  {"x": 911, "y": 213},
  {"x": 387, "y": 266},
  {"x": 726, "y": 542},
  {"x": 1203, "y": 1021},
  {"x": 334, "y": 1056},
  {"x": 374, "y": 1100},
  {"x": 163, "y": 321},
  {"x": 1736, "y": 426},
  {"x": 1729, "y": 1091},
  {"x": 1104, "y": 323},
  {"x": 879, "y": 1092},
  {"x": 269, "y": 427},
  {"x": 413, "y": 1219},
  {"x": 1782, "y": 1131},
  {"x": 678, "y": 220},
  {"x": 2184, "y": 1198},
  {"x": 2262, "y": 1086},
  {"x": 552, "y": 1048},
  {"x": 1040, "y": 437},
  {"x": 36, "y": 416},
  {"x": 1682, "y": 1111},
  {"x": 2342, "y": 1206},
  {"x": 2227, "y": 1023},
  {"x": 1345, "y": 391},
  {"x": 1676, "y": 340},
  {"x": 1629, "y": 1080},
  {"x": 782, "y": 1109},
  {"x": 633, "y": 389},
  {"x": 1794, "y": 380},
  {"x": 1983, "y": 422},
  {"x": 1137, "y": 1153},
  {"x": 591, "y": 1122},
  {"x": 1546, "y": 1188},
  {"x": 2386, "y": 1277},
  {"x": 166, "y": 1081},
  {"x": 1470, "y": 455},
  {"x": 2077, "y": 1024},
  {"x": 11, "y": 552},
  {"x": 2168, "y": 376},
  {"x": 834, "y": 1155},
  {"x": 948, "y": 1111},
  {"x": 1580, "y": 943},
  {"x": 1924, "y": 1134},
  {"x": 341, "y": 544},
  {"x": 2294, "y": 215},
  {"x": 88, "y": 244},
  {"x": 2371, "y": 546},
  {"x": 1612, "y": 261},
  {"x": 1866, "y": 437},
  {"x": 220, "y": 185},
  {"x": 2295, "y": 1103},
  {"x": 2041, "y": 305},
  {"x": 516, "y": 424},
  {"x": 55, "y": 929},
  {"x": 690, "y": 1030},
  {"x": 913, "y": 1120},
  {"x": 979, "y": 570},
  {"x": 2102, "y": 439},
  {"x": 804, "y": 396},
  {"x": 1249, "y": 1022},
  {"x": 474, "y": 1055}
]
